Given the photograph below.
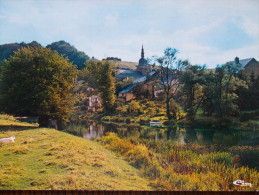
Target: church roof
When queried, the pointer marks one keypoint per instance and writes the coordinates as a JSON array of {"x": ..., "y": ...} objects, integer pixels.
[
  {"x": 127, "y": 89},
  {"x": 129, "y": 73},
  {"x": 142, "y": 62}
]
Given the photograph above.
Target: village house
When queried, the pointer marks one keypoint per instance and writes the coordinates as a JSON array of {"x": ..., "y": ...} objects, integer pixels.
[
  {"x": 249, "y": 65},
  {"x": 94, "y": 103},
  {"x": 126, "y": 94}
]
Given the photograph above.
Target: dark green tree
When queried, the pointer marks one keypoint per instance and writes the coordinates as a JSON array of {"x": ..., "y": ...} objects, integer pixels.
[
  {"x": 221, "y": 93},
  {"x": 98, "y": 75},
  {"x": 192, "y": 80},
  {"x": 37, "y": 82},
  {"x": 170, "y": 71},
  {"x": 248, "y": 97},
  {"x": 91, "y": 74},
  {"x": 107, "y": 87}
]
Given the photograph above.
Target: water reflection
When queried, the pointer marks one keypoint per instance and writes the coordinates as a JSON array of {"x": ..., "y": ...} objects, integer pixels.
[
  {"x": 92, "y": 130},
  {"x": 215, "y": 139}
]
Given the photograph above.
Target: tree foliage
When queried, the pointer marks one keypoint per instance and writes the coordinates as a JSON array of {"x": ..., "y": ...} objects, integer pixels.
[
  {"x": 76, "y": 57},
  {"x": 170, "y": 70},
  {"x": 191, "y": 94},
  {"x": 37, "y": 82},
  {"x": 98, "y": 75},
  {"x": 221, "y": 90},
  {"x": 107, "y": 87},
  {"x": 248, "y": 96},
  {"x": 7, "y": 50},
  {"x": 134, "y": 107}
]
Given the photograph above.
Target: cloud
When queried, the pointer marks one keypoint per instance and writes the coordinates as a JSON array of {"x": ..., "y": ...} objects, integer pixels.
[
  {"x": 111, "y": 19},
  {"x": 199, "y": 29},
  {"x": 249, "y": 26}
]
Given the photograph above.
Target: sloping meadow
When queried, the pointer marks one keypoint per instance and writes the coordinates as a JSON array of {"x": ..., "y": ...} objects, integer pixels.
[{"x": 44, "y": 158}]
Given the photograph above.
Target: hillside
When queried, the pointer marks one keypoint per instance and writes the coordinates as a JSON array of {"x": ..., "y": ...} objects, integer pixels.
[
  {"x": 77, "y": 57},
  {"x": 7, "y": 50},
  {"x": 44, "y": 158},
  {"x": 124, "y": 64},
  {"x": 130, "y": 65}
]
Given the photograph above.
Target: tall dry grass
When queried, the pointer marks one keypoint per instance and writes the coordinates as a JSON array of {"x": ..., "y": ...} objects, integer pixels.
[{"x": 181, "y": 168}]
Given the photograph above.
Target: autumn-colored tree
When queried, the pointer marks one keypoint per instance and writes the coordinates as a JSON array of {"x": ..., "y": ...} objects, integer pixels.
[{"x": 37, "y": 82}]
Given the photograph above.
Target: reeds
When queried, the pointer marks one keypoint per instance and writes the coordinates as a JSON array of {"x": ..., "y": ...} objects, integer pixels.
[{"x": 172, "y": 167}]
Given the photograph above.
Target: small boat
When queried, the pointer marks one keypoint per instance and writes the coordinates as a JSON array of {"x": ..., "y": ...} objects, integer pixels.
[{"x": 152, "y": 123}]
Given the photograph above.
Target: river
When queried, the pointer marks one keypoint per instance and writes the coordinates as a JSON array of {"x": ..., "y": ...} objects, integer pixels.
[{"x": 242, "y": 143}]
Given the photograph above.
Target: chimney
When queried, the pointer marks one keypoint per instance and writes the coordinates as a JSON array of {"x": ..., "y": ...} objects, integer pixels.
[{"x": 237, "y": 60}]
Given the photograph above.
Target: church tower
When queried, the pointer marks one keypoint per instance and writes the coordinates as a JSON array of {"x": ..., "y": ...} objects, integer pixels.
[
  {"x": 142, "y": 52},
  {"x": 143, "y": 66},
  {"x": 142, "y": 60}
]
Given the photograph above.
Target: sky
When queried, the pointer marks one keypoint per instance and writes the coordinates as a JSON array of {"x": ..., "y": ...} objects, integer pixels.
[{"x": 207, "y": 32}]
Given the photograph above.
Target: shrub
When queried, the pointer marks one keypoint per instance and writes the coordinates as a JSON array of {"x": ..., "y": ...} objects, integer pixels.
[
  {"x": 134, "y": 107},
  {"x": 7, "y": 117},
  {"x": 220, "y": 157}
]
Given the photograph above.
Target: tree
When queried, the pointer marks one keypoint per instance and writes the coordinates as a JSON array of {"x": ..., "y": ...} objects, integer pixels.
[
  {"x": 98, "y": 75},
  {"x": 248, "y": 96},
  {"x": 221, "y": 93},
  {"x": 192, "y": 80},
  {"x": 170, "y": 71},
  {"x": 91, "y": 73},
  {"x": 37, "y": 82},
  {"x": 107, "y": 87},
  {"x": 134, "y": 107}
]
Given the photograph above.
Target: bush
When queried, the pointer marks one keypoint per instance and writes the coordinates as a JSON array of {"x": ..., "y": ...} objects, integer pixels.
[{"x": 134, "y": 107}]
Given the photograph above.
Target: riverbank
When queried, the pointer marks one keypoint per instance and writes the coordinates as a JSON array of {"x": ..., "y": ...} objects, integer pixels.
[
  {"x": 43, "y": 158},
  {"x": 183, "y": 167},
  {"x": 10, "y": 121},
  {"x": 152, "y": 111}
]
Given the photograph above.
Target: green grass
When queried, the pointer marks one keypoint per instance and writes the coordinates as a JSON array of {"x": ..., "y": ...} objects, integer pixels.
[
  {"x": 7, "y": 120},
  {"x": 44, "y": 158}
]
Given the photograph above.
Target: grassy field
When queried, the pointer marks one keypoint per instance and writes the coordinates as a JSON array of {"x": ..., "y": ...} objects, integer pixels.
[{"x": 44, "y": 158}]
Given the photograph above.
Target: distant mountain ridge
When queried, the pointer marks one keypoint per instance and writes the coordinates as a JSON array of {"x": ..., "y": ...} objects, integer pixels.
[{"x": 76, "y": 57}]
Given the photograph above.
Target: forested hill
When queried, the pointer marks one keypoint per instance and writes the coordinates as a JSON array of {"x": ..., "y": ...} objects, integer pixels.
[
  {"x": 77, "y": 57},
  {"x": 7, "y": 50}
]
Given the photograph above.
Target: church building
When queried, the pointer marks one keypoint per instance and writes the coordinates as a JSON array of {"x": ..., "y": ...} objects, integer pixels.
[
  {"x": 143, "y": 66},
  {"x": 143, "y": 69}
]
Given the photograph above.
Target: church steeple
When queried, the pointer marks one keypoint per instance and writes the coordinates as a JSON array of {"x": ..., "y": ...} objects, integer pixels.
[
  {"x": 142, "y": 60},
  {"x": 142, "y": 52},
  {"x": 143, "y": 66}
]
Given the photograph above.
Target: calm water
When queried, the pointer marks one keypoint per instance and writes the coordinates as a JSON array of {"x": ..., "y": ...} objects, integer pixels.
[{"x": 216, "y": 139}]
